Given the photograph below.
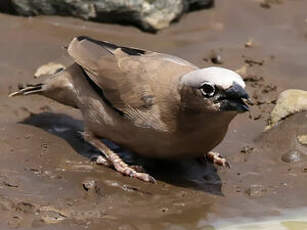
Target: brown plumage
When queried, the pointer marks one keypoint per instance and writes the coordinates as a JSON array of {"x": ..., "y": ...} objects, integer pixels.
[{"x": 154, "y": 104}]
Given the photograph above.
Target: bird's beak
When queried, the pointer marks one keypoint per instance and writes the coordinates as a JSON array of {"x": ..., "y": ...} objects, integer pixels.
[{"x": 234, "y": 98}]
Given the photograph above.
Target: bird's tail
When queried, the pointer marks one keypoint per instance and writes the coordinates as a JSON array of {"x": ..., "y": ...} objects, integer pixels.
[{"x": 29, "y": 89}]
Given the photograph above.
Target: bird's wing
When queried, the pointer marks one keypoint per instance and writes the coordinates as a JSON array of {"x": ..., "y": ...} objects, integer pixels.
[{"x": 132, "y": 80}]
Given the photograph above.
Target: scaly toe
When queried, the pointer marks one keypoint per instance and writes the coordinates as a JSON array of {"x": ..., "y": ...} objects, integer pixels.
[
  {"x": 100, "y": 160},
  {"x": 145, "y": 177},
  {"x": 138, "y": 168}
]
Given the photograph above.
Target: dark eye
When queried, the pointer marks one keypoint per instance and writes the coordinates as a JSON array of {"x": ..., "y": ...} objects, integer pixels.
[{"x": 207, "y": 89}]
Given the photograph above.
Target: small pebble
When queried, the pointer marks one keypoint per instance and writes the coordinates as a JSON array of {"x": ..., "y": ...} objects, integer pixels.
[
  {"x": 249, "y": 43},
  {"x": 217, "y": 59},
  {"x": 292, "y": 156},
  {"x": 89, "y": 185},
  {"x": 302, "y": 139}
]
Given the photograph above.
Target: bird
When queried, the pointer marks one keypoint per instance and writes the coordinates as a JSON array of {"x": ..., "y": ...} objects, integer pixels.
[{"x": 154, "y": 104}]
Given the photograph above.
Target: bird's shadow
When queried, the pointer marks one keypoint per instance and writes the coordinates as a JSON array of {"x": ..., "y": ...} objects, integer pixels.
[{"x": 184, "y": 173}]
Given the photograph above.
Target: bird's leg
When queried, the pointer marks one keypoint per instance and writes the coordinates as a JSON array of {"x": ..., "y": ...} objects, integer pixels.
[
  {"x": 217, "y": 158},
  {"x": 116, "y": 161}
]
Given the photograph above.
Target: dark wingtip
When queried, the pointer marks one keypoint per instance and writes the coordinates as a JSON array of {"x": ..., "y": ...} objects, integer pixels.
[
  {"x": 97, "y": 42},
  {"x": 82, "y": 37},
  {"x": 127, "y": 50},
  {"x": 133, "y": 51}
]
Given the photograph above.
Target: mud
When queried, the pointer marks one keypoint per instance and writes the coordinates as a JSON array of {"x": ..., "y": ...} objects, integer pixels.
[{"x": 47, "y": 179}]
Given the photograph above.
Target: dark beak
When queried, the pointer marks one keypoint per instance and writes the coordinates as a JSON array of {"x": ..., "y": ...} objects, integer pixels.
[{"x": 233, "y": 99}]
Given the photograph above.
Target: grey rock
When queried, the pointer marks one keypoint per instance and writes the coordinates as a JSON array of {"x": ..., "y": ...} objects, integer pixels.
[{"x": 149, "y": 15}]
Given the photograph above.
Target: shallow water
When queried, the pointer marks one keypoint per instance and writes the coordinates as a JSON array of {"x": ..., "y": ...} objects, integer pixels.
[{"x": 289, "y": 220}]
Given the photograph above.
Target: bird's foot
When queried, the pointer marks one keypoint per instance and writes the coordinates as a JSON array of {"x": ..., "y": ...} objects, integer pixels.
[
  {"x": 101, "y": 160},
  {"x": 138, "y": 168},
  {"x": 133, "y": 171},
  {"x": 217, "y": 158},
  {"x": 112, "y": 159}
]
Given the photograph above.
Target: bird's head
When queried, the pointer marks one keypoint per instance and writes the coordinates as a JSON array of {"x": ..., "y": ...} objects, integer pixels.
[{"x": 213, "y": 89}]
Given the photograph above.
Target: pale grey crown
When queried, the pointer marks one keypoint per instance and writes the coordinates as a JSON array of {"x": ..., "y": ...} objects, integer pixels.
[{"x": 221, "y": 77}]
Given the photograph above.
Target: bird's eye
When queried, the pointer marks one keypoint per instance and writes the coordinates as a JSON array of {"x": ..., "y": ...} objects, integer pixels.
[{"x": 207, "y": 89}]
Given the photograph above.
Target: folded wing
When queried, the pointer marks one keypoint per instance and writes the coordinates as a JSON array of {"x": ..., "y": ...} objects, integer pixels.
[{"x": 136, "y": 82}]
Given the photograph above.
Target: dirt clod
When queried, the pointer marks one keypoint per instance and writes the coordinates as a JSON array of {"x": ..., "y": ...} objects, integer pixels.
[
  {"x": 216, "y": 58},
  {"x": 252, "y": 61},
  {"x": 25, "y": 207},
  {"x": 89, "y": 185}
]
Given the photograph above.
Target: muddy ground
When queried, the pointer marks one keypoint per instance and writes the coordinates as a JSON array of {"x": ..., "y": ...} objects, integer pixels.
[{"x": 47, "y": 180}]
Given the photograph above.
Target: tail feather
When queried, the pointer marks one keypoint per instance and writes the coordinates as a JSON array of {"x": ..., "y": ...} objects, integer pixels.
[{"x": 30, "y": 89}]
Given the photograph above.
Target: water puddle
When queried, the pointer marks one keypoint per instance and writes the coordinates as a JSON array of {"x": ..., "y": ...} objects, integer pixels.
[{"x": 289, "y": 220}]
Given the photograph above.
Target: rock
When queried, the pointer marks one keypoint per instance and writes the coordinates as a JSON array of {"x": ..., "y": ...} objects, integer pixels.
[
  {"x": 89, "y": 185},
  {"x": 289, "y": 102},
  {"x": 93, "y": 188},
  {"x": 292, "y": 156},
  {"x": 216, "y": 58},
  {"x": 49, "y": 69},
  {"x": 302, "y": 139},
  {"x": 267, "y": 3},
  {"x": 249, "y": 43},
  {"x": 51, "y": 215},
  {"x": 243, "y": 70},
  {"x": 149, "y": 15}
]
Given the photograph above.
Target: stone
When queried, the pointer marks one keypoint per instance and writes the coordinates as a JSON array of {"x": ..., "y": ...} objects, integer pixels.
[
  {"x": 292, "y": 156},
  {"x": 149, "y": 15},
  {"x": 52, "y": 215},
  {"x": 93, "y": 188},
  {"x": 89, "y": 185},
  {"x": 302, "y": 139},
  {"x": 289, "y": 102}
]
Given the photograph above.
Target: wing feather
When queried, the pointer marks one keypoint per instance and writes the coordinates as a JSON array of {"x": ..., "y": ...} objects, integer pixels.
[{"x": 135, "y": 81}]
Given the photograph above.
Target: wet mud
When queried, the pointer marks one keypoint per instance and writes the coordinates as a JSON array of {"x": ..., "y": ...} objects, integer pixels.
[{"x": 48, "y": 179}]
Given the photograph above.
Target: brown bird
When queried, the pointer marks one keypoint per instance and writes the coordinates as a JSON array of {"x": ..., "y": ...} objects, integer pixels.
[{"x": 154, "y": 104}]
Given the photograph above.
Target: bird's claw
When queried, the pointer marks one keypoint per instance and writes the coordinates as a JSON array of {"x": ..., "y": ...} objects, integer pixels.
[
  {"x": 134, "y": 172},
  {"x": 101, "y": 160},
  {"x": 218, "y": 159},
  {"x": 138, "y": 168}
]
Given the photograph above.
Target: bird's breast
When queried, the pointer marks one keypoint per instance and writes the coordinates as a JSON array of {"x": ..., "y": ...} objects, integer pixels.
[{"x": 191, "y": 140}]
